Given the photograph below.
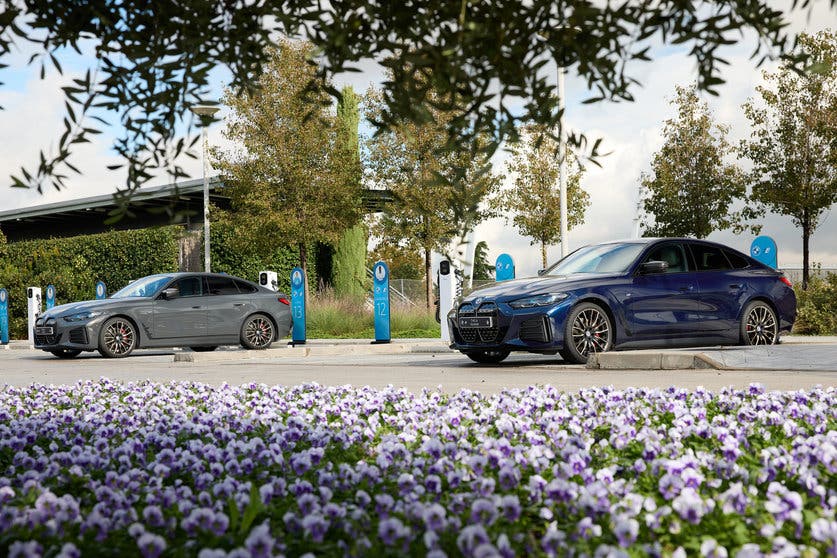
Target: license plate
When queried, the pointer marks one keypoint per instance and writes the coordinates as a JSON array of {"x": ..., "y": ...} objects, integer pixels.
[
  {"x": 476, "y": 321},
  {"x": 44, "y": 330}
]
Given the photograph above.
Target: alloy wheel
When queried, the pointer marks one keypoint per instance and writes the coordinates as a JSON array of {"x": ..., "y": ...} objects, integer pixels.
[
  {"x": 119, "y": 337},
  {"x": 590, "y": 332},
  {"x": 760, "y": 327},
  {"x": 258, "y": 332}
]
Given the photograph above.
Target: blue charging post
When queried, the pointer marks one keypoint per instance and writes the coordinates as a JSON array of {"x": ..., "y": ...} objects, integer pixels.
[
  {"x": 50, "y": 296},
  {"x": 380, "y": 282},
  {"x": 4, "y": 316},
  {"x": 101, "y": 290},
  {"x": 764, "y": 250},
  {"x": 504, "y": 268},
  {"x": 298, "y": 306}
]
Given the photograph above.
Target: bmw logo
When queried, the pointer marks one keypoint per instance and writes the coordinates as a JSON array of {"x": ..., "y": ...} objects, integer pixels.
[{"x": 478, "y": 301}]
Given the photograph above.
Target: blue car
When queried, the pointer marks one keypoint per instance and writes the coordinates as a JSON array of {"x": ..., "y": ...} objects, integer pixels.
[{"x": 642, "y": 293}]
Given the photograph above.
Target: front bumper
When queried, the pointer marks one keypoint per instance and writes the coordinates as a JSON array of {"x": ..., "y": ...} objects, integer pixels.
[
  {"x": 527, "y": 329},
  {"x": 65, "y": 335}
]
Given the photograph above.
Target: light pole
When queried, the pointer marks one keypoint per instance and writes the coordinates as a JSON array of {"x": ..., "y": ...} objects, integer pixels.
[
  {"x": 562, "y": 169},
  {"x": 205, "y": 113}
]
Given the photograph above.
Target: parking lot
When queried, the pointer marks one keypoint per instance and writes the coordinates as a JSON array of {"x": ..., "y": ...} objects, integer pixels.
[{"x": 425, "y": 364}]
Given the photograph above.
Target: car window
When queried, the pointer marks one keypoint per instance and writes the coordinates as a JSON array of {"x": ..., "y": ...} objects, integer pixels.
[
  {"x": 147, "y": 286},
  {"x": 220, "y": 286},
  {"x": 245, "y": 287},
  {"x": 189, "y": 286},
  {"x": 737, "y": 260},
  {"x": 673, "y": 254},
  {"x": 601, "y": 258},
  {"x": 709, "y": 258}
]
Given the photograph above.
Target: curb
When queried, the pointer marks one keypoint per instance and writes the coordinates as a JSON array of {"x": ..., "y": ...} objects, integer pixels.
[
  {"x": 653, "y": 361},
  {"x": 302, "y": 351}
]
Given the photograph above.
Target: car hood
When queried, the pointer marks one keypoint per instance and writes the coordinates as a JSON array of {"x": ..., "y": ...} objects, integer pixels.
[
  {"x": 76, "y": 307},
  {"x": 509, "y": 290}
]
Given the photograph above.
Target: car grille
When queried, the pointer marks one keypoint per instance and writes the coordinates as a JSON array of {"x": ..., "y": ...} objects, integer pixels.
[
  {"x": 78, "y": 336},
  {"x": 47, "y": 339},
  {"x": 473, "y": 335},
  {"x": 535, "y": 330}
]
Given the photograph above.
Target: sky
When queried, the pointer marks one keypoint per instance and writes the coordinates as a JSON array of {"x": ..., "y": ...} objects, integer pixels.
[{"x": 630, "y": 132}]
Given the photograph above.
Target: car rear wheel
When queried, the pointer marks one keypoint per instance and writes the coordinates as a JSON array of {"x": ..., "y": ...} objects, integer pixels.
[
  {"x": 759, "y": 325},
  {"x": 117, "y": 338},
  {"x": 488, "y": 357},
  {"x": 588, "y": 331},
  {"x": 203, "y": 349},
  {"x": 66, "y": 353},
  {"x": 257, "y": 332}
]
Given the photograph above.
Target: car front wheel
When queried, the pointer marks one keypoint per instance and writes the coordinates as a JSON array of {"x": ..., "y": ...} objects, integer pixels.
[
  {"x": 488, "y": 357},
  {"x": 759, "y": 325},
  {"x": 588, "y": 331},
  {"x": 257, "y": 332},
  {"x": 117, "y": 338}
]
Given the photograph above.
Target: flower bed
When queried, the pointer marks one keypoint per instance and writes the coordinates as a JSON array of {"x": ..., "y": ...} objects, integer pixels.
[{"x": 186, "y": 469}]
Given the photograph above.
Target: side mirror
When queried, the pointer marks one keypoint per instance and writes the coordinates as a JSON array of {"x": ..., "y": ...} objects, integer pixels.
[
  {"x": 653, "y": 267},
  {"x": 170, "y": 293}
]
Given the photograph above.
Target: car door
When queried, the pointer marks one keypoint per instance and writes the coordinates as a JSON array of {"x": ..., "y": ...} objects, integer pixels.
[
  {"x": 663, "y": 305},
  {"x": 226, "y": 307},
  {"x": 183, "y": 316},
  {"x": 721, "y": 288}
]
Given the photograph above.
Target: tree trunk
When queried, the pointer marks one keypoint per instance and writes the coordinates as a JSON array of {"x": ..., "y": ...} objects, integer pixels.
[
  {"x": 303, "y": 263},
  {"x": 428, "y": 280},
  {"x": 543, "y": 254},
  {"x": 806, "y": 236}
]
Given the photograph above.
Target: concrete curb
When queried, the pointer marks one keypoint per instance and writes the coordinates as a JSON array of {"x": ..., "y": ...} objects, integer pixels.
[
  {"x": 302, "y": 351},
  {"x": 643, "y": 360}
]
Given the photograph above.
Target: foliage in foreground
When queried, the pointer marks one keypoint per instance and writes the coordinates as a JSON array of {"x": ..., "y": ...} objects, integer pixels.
[{"x": 189, "y": 469}]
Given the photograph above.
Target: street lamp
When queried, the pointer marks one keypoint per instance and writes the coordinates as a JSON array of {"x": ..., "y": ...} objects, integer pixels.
[{"x": 205, "y": 113}]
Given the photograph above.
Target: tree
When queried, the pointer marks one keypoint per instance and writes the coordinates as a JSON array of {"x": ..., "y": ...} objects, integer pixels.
[
  {"x": 483, "y": 270},
  {"x": 287, "y": 176},
  {"x": 403, "y": 263},
  {"x": 155, "y": 58},
  {"x": 433, "y": 189},
  {"x": 349, "y": 253},
  {"x": 690, "y": 189},
  {"x": 533, "y": 202},
  {"x": 793, "y": 145}
]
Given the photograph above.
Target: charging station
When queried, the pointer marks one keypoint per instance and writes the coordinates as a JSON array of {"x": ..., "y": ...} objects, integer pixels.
[
  {"x": 33, "y": 305},
  {"x": 269, "y": 279},
  {"x": 447, "y": 291},
  {"x": 4, "y": 317}
]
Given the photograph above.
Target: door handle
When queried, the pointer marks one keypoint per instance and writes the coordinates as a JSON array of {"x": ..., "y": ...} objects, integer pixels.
[
  {"x": 196, "y": 307},
  {"x": 687, "y": 289},
  {"x": 238, "y": 304},
  {"x": 736, "y": 286}
]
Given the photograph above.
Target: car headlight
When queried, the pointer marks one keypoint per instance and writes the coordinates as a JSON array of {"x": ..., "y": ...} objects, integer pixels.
[
  {"x": 82, "y": 316},
  {"x": 538, "y": 300}
]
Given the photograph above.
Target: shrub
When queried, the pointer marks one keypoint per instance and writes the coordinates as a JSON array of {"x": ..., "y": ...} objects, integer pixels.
[
  {"x": 330, "y": 316},
  {"x": 817, "y": 307}
]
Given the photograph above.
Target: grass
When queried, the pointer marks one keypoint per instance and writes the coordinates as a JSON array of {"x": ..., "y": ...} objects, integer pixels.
[{"x": 343, "y": 318}]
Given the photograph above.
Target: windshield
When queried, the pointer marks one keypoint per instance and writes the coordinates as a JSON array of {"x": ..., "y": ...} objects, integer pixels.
[
  {"x": 601, "y": 258},
  {"x": 147, "y": 286}
]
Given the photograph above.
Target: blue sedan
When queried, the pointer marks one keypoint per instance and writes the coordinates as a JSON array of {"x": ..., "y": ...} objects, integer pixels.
[{"x": 632, "y": 294}]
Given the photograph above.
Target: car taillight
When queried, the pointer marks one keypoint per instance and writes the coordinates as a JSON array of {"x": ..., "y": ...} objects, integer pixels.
[
  {"x": 786, "y": 281},
  {"x": 284, "y": 300}
]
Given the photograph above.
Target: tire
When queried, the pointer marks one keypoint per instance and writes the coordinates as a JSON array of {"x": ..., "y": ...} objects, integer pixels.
[
  {"x": 588, "y": 330},
  {"x": 203, "y": 349},
  {"x": 488, "y": 357},
  {"x": 759, "y": 324},
  {"x": 66, "y": 353},
  {"x": 117, "y": 338},
  {"x": 257, "y": 332}
]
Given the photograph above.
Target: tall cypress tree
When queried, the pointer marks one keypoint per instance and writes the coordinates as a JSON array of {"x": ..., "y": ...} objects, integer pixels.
[{"x": 349, "y": 258}]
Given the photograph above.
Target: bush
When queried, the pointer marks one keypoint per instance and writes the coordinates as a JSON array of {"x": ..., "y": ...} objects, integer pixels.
[{"x": 817, "y": 307}]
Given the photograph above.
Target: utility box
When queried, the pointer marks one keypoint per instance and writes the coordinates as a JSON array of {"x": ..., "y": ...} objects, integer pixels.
[
  {"x": 33, "y": 305},
  {"x": 269, "y": 279}
]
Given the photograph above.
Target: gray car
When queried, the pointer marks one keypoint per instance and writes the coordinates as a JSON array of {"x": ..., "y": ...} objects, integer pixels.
[{"x": 196, "y": 310}]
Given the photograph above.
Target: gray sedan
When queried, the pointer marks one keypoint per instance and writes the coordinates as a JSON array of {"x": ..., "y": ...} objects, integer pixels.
[{"x": 197, "y": 310}]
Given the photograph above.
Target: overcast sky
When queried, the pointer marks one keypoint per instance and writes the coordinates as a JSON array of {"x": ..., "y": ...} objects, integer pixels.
[{"x": 630, "y": 131}]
